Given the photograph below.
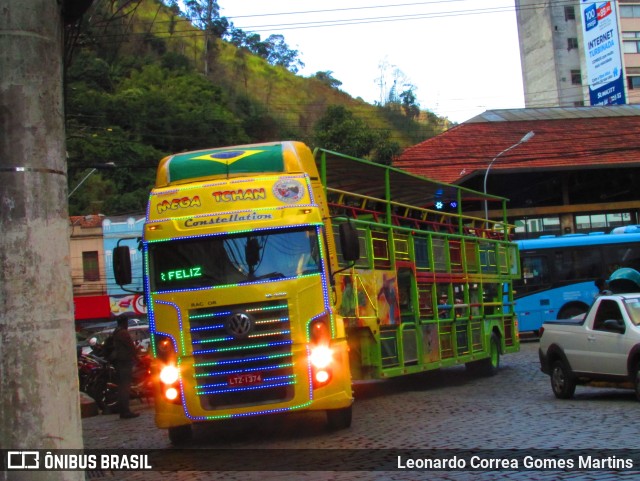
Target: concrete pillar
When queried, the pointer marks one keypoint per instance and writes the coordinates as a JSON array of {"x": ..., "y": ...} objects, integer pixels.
[{"x": 39, "y": 407}]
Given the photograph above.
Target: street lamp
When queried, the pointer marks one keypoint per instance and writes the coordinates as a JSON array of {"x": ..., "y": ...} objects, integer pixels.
[
  {"x": 107, "y": 165},
  {"x": 524, "y": 139}
]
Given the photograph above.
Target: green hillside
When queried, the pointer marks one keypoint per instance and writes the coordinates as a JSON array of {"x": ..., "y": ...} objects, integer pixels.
[{"x": 139, "y": 86}]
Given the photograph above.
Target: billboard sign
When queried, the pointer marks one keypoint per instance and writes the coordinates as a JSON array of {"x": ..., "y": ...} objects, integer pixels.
[{"x": 603, "y": 55}]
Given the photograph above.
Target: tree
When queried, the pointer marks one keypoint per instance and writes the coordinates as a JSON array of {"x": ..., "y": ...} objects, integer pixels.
[
  {"x": 409, "y": 103},
  {"x": 253, "y": 42},
  {"x": 341, "y": 131},
  {"x": 205, "y": 14},
  {"x": 326, "y": 77},
  {"x": 386, "y": 149},
  {"x": 274, "y": 49},
  {"x": 279, "y": 54}
]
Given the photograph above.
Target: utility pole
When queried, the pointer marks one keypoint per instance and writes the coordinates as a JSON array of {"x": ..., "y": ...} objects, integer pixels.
[{"x": 39, "y": 403}]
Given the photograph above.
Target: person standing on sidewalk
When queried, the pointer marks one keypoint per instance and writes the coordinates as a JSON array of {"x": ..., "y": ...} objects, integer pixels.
[{"x": 124, "y": 355}]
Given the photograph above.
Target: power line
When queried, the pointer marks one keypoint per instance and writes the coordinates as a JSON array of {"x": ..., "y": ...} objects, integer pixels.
[
  {"x": 370, "y": 7},
  {"x": 370, "y": 20},
  {"x": 438, "y": 2},
  {"x": 348, "y": 21}
]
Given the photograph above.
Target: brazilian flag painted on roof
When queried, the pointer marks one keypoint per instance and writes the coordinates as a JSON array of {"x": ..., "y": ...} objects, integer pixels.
[{"x": 223, "y": 162}]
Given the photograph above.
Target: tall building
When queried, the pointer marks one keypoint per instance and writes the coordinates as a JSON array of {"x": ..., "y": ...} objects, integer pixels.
[{"x": 554, "y": 66}]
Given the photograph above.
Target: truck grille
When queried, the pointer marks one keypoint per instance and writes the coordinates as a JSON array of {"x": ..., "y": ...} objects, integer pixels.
[{"x": 242, "y": 354}]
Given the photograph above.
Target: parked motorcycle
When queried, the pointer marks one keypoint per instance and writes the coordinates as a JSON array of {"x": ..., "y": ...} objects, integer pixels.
[
  {"x": 87, "y": 365},
  {"x": 99, "y": 379}
]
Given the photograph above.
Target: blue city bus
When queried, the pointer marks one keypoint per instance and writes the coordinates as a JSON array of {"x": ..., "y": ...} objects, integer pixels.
[{"x": 559, "y": 272}]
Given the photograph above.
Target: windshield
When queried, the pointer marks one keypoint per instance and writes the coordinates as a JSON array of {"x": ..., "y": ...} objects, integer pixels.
[
  {"x": 221, "y": 260},
  {"x": 633, "y": 308}
]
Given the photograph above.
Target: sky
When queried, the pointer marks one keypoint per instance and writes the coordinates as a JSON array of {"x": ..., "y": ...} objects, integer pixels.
[{"x": 461, "y": 56}]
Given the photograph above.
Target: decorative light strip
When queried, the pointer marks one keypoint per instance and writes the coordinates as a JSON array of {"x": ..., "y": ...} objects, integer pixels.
[
  {"x": 248, "y": 388},
  {"x": 238, "y": 361},
  {"x": 149, "y": 299},
  {"x": 224, "y": 384},
  {"x": 214, "y": 314},
  {"x": 268, "y": 334},
  {"x": 179, "y": 313},
  {"x": 247, "y": 414},
  {"x": 207, "y": 328},
  {"x": 268, "y": 308},
  {"x": 325, "y": 288},
  {"x": 273, "y": 321},
  {"x": 215, "y": 339},
  {"x": 240, "y": 371},
  {"x": 273, "y": 411},
  {"x": 310, "y": 189},
  {"x": 243, "y": 348},
  {"x": 309, "y": 373}
]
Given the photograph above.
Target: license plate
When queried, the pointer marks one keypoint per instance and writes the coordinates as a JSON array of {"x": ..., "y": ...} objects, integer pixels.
[{"x": 244, "y": 379}]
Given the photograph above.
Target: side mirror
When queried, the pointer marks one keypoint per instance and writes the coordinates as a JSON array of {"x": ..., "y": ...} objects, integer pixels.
[
  {"x": 614, "y": 325},
  {"x": 349, "y": 242},
  {"x": 122, "y": 265}
]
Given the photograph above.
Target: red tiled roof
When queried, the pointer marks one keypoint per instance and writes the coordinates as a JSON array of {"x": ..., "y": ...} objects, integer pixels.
[
  {"x": 86, "y": 221},
  {"x": 559, "y": 143}
]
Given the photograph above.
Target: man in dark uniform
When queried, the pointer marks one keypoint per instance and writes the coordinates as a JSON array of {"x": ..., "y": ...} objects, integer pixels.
[{"x": 124, "y": 355}]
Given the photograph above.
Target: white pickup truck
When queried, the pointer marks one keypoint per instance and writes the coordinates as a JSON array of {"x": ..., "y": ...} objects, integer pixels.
[{"x": 599, "y": 349}]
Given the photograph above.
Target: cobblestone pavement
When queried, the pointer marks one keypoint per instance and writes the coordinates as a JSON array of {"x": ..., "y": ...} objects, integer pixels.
[{"x": 443, "y": 410}]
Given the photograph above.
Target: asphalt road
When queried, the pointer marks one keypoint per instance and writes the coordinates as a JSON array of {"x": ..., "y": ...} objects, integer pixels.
[{"x": 511, "y": 415}]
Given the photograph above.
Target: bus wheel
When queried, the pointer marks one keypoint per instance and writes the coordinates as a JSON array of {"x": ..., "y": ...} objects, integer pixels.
[
  {"x": 339, "y": 418},
  {"x": 490, "y": 365},
  {"x": 180, "y": 435},
  {"x": 562, "y": 382}
]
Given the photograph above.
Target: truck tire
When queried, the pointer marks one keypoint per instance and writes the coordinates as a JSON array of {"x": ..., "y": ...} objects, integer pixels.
[
  {"x": 180, "y": 435},
  {"x": 489, "y": 367},
  {"x": 339, "y": 418},
  {"x": 562, "y": 382}
]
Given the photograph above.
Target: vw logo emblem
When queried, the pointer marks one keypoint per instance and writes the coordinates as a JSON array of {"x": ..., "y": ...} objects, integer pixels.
[{"x": 239, "y": 325}]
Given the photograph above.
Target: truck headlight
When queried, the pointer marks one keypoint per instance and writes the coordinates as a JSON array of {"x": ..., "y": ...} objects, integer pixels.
[
  {"x": 169, "y": 374},
  {"x": 321, "y": 357}
]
